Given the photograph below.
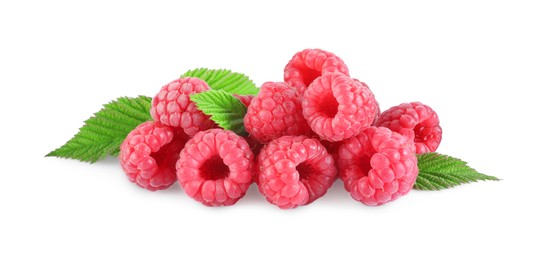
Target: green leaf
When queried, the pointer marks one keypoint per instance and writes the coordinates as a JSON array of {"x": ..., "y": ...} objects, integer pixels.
[
  {"x": 103, "y": 133},
  {"x": 437, "y": 172},
  {"x": 226, "y": 80},
  {"x": 223, "y": 108}
]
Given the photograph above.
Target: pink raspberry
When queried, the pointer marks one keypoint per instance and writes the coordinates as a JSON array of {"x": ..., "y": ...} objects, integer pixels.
[
  {"x": 337, "y": 107},
  {"x": 416, "y": 121},
  {"x": 377, "y": 166},
  {"x": 295, "y": 171},
  {"x": 149, "y": 153},
  {"x": 173, "y": 107},
  {"x": 377, "y": 114},
  {"x": 255, "y": 146},
  {"x": 275, "y": 112},
  {"x": 245, "y": 99},
  {"x": 307, "y": 65},
  {"x": 216, "y": 167}
]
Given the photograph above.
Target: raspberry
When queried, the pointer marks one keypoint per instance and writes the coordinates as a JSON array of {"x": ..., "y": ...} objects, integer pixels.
[
  {"x": 337, "y": 107},
  {"x": 255, "y": 146},
  {"x": 149, "y": 154},
  {"x": 275, "y": 112},
  {"x": 295, "y": 171},
  {"x": 307, "y": 65},
  {"x": 377, "y": 166},
  {"x": 173, "y": 107},
  {"x": 216, "y": 167},
  {"x": 377, "y": 114},
  {"x": 416, "y": 121},
  {"x": 245, "y": 99}
]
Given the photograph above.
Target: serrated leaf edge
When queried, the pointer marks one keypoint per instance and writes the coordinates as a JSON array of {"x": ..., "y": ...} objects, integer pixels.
[
  {"x": 433, "y": 179},
  {"x": 225, "y": 79},
  {"x": 223, "y": 120},
  {"x": 88, "y": 137}
]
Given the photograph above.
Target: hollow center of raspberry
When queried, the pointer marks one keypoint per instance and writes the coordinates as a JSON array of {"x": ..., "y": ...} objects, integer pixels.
[
  {"x": 167, "y": 156},
  {"x": 328, "y": 105},
  {"x": 305, "y": 170},
  {"x": 309, "y": 75},
  {"x": 418, "y": 134},
  {"x": 214, "y": 169},
  {"x": 365, "y": 164}
]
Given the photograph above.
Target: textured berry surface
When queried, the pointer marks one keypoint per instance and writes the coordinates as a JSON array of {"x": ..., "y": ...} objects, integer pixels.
[
  {"x": 149, "y": 154},
  {"x": 245, "y": 99},
  {"x": 377, "y": 113},
  {"x": 377, "y": 166},
  {"x": 419, "y": 118},
  {"x": 172, "y": 106},
  {"x": 307, "y": 65},
  {"x": 275, "y": 112},
  {"x": 216, "y": 167},
  {"x": 295, "y": 171},
  {"x": 337, "y": 107}
]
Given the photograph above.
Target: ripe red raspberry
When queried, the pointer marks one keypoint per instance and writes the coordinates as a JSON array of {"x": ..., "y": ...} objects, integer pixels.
[
  {"x": 337, "y": 107},
  {"x": 275, "y": 112},
  {"x": 295, "y": 171},
  {"x": 307, "y": 65},
  {"x": 245, "y": 99},
  {"x": 416, "y": 121},
  {"x": 377, "y": 166},
  {"x": 216, "y": 167},
  {"x": 149, "y": 154},
  {"x": 172, "y": 106},
  {"x": 377, "y": 114}
]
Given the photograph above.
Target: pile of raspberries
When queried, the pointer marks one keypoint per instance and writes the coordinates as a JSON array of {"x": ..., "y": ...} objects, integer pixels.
[{"x": 317, "y": 125}]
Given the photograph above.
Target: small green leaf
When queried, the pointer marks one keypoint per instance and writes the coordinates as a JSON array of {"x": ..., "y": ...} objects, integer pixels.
[
  {"x": 103, "y": 133},
  {"x": 437, "y": 172},
  {"x": 226, "y": 80},
  {"x": 223, "y": 108}
]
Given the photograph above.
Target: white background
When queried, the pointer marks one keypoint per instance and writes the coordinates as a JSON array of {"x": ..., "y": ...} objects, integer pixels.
[{"x": 479, "y": 64}]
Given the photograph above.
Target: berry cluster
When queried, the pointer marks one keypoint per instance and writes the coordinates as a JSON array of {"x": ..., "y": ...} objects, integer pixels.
[{"x": 318, "y": 124}]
